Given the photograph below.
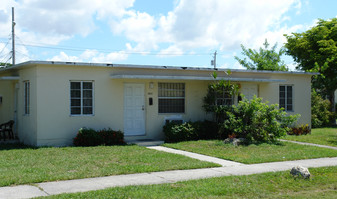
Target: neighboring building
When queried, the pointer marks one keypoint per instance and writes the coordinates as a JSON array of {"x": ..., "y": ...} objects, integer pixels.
[{"x": 50, "y": 101}]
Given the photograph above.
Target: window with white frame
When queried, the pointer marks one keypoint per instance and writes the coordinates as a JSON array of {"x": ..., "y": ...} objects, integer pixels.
[
  {"x": 81, "y": 97},
  {"x": 286, "y": 97},
  {"x": 224, "y": 98},
  {"x": 26, "y": 97},
  {"x": 171, "y": 97}
]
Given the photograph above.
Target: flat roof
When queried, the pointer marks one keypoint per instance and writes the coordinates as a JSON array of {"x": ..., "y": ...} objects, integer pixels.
[
  {"x": 31, "y": 63},
  {"x": 176, "y": 77}
]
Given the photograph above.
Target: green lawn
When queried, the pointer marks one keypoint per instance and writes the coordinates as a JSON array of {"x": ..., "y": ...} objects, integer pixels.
[
  {"x": 22, "y": 165},
  {"x": 323, "y": 184},
  {"x": 324, "y": 136},
  {"x": 254, "y": 153}
]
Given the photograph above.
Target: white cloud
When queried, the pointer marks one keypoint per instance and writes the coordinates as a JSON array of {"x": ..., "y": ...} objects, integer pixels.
[
  {"x": 55, "y": 21},
  {"x": 170, "y": 51},
  {"x": 91, "y": 56},
  {"x": 210, "y": 24}
]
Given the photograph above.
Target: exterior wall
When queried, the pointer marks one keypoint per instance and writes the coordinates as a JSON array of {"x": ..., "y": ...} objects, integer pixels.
[
  {"x": 27, "y": 124},
  {"x": 57, "y": 127},
  {"x": 7, "y": 92},
  {"x": 301, "y": 94},
  {"x": 50, "y": 122}
]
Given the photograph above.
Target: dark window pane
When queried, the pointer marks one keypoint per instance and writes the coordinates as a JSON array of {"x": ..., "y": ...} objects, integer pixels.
[
  {"x": 87, "y": 110},
  {"x": 75, "y": 111},
  {"x": 282, "y": 94},
  {"x": 75, "y": 102},
  {"x": 87, "y": 102},
  {"x": 282, "y": 88},
  {"x": 282, "y": 103},
  {"x": 289, "y": 101},
  {"x": 171, "y": 105},
  {"x": 75, "y": 93},
  {"x": 289, "y": 108},
  {"x": 87, "y": 85},
  {"x": 87, "y": 93},
  {"x": 75, "y": 85}
]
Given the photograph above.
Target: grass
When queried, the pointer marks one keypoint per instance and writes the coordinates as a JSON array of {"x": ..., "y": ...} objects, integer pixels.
[
  {"x": 254, "y": 153},
  {"x": 323, "y": 184},
  {"x": 324, "y": 136},
  {"x": 21, "y": 164}
]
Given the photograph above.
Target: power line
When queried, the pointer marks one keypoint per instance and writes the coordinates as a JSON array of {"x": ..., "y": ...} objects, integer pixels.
[{"x": 4, "y": 47}]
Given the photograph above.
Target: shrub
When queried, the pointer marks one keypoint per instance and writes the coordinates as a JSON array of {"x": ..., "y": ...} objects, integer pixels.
[
  {"x": 111, "y": 137},
  {"x": 301, "y": 130},
  {"x": 213, "y": 101},
  {"x": 320, "y": 114},
  {"x": 191, "y": 131},
  {"x": 179, "y": 132},
  {"x": 90, "y": 137},
  {"x": 207, "y": 130},
  {"x": 87, "y": 137},
  {"x": 257, "y": 121}
]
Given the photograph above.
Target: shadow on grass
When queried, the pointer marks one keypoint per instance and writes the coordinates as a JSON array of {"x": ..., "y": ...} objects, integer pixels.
[{"x": 15, "y": 146}]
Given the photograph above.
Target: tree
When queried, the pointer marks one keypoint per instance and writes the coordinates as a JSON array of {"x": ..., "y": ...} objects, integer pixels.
[
  {"x": 264, "y": 59},
  {"x": 315, "y": 50}
]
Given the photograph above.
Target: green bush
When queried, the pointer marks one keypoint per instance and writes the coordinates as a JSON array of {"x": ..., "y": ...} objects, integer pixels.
[
  {"x": 179, "y": 132},
  {"x": 90, "y": 137},
  {"x": 301, "y": 130},
  {"x": 190, "y": 131},
  {"x": 320, "y": 114},
  {"x": 111, "y": 137},
  {"x": 257, "y": 121}
]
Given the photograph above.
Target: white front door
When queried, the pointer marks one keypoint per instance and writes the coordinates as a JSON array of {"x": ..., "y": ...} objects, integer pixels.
[
  {"x": 134, "y": 109},
  {"x": 249, "y": 90}
]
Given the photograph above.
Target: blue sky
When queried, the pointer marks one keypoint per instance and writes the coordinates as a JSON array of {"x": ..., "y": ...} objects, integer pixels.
[{"x": 152, "y": 32}]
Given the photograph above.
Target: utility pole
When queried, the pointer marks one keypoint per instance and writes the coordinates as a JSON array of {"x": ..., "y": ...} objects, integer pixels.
[
  {"x": 13, "y": 38},
  {"x": 213, "y": 62}
]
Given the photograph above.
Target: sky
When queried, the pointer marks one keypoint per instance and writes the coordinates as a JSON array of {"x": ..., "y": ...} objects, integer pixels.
[{"x": 153, "y": 32}]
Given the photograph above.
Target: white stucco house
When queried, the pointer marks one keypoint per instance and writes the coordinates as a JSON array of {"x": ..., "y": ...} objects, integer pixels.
[{"x": 50, "y": 101}]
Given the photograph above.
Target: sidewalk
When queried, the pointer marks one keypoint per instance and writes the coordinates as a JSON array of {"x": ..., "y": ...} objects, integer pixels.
[{"x": 89, "y": 184}]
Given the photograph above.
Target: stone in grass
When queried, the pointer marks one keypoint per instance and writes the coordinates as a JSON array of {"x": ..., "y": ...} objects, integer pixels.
[
  {"x": 234, "y": 141},
  {"x": 300, "y": 171}
]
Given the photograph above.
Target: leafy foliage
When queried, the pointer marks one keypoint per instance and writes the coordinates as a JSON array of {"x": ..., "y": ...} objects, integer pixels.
[
  {"x": 190, "y": 131},
  {"x": 301, "y": 130},
  {"x": 90, "y": 137},
  {"x": 316, "y": 51},
  {"x": 320, "y": 114},
  {"x": 257, "y": 121},
  {"x": 264, "y": 59},
  {"x": 213, "y": 102}
]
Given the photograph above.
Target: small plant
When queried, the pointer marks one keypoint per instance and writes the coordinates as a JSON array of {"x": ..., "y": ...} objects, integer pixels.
[
  {"x": 90, "y": 137},
  {"x": 301, "y": 130}
]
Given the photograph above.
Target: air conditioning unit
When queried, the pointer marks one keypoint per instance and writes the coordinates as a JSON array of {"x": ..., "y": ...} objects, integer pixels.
[{"x": 174, "y": 119}]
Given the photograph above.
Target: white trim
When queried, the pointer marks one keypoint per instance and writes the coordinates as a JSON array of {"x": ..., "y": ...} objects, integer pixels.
[
  {"x": 10, "y": 78},
  {"x": 286, "y": 97},
  {"x": 81, "y": 98},
  {"x": 162, "y": 77}
]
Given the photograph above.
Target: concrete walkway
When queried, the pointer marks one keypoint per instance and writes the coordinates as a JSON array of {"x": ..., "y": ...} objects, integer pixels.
[
  {"x": 89, "y": 184},
  {"x": 310, "y": 144},
  {"x": 222, "y": 162}
]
